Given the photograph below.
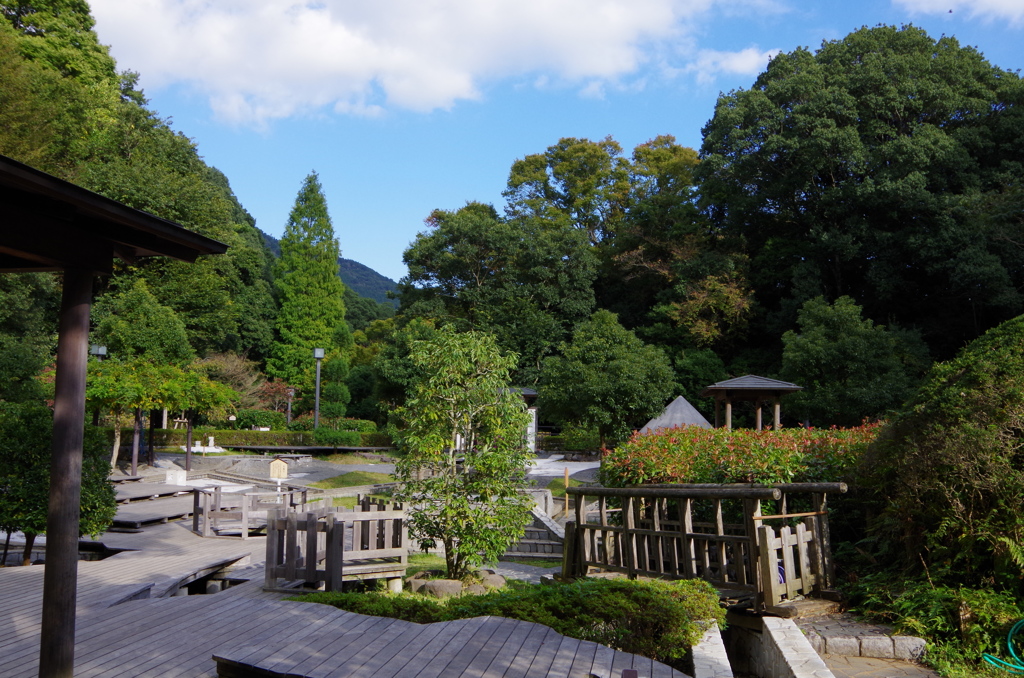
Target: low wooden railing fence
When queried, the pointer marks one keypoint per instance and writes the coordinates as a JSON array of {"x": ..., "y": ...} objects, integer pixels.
[
  {"x": 332, "y": 545},
  {"x": 211, "y": 508},
  {"x": 713, "y": 532}
]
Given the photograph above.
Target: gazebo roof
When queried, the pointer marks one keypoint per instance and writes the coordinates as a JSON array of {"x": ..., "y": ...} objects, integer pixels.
[
  {"x": 749, "y": 387},
  {"x": 51, "y": 224}
]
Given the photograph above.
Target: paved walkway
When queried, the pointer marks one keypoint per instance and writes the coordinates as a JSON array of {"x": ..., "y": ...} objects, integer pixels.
[{"x": 870, "y": 667}]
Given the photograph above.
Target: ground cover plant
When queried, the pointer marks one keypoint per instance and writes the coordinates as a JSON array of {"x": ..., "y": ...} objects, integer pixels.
[
  {"x": 657, "y": 619},
  {"x": 353, "y": 479},
  {"x": 698, "y": 455}
]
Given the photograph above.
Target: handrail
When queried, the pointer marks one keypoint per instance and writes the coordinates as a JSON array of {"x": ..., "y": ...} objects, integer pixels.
[{"x": 676, "y": 492}]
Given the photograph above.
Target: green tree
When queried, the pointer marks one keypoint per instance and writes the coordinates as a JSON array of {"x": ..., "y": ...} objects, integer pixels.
[
  {"x": 576, "y": 182},
  {"x": 26, "y": 430},
  {"x": 606, "y": 378},
  {"x": 466, "y": 458},
  {"x": 134, "y": 324},
  {"x": 28, "y": 311},
  {"x": 527, "y": 281},
  {"x": 846, "y": 172},
  {"x": 850, "y": 368},
  {"x": 312, "y": 311},
  {"x": 946, "y": 476}
]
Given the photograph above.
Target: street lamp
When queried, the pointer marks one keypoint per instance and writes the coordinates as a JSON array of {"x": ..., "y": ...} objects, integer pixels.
[
  {"x": 318, "y": 353},
  {"x": 291, "y": 394},
  {"x": 99, "y": 351}
]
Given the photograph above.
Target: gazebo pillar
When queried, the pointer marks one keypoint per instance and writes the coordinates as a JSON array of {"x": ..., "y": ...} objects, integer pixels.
[
  {"x": 758, "y": 415},
  {"x": 778, "y": 413},
  {"x": 60, "y": 573},
  {"x": 728, "y": 413}
]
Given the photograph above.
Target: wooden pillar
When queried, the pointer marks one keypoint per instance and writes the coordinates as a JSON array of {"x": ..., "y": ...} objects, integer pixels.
[
  {"x": 60, "y": 574},
  {"x": 758, "y": 415},
  {"x": 778, "y": 414},
  {"x": 728, "y": 413}
]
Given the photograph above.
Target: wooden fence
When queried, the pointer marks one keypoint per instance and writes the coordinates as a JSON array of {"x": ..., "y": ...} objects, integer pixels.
[
  {"x": 214, "y": 510},
  {"x": 332, "y": 545},
  {"x": 713, "y": 532}
]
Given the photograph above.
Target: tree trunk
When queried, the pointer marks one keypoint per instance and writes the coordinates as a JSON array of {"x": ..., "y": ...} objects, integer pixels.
[
  {"x": 117, "y": 443},
  {"x": 26, "y": 554},
  {"x": 7, "y": 547},
  {"x": 136, "y": 436}
]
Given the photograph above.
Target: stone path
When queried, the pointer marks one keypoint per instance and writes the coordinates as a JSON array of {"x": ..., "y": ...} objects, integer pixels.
[{"x": 871, "y": 667}]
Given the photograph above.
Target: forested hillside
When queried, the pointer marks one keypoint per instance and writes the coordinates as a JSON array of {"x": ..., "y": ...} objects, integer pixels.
[{"x": 851, "y": 217}]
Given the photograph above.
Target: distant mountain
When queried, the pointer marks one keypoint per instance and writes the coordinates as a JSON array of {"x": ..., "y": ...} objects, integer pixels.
[{"x": 362, "y": 279}]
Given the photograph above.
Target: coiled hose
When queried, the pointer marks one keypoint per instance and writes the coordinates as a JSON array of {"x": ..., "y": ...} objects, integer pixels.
[{"x": 1016, "y": 665}]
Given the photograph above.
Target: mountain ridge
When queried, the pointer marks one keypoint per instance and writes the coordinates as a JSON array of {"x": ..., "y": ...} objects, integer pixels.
[{"x": 360, "y": 278}]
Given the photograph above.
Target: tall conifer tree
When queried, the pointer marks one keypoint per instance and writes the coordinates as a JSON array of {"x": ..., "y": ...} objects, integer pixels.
[{"x": 312, "y": 311}]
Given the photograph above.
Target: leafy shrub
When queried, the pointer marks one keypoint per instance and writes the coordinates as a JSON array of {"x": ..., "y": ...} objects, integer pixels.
[
  {"x": 301, "y": 423},
  {"x": 578, "y": 438},
  {"x": 657, "y": 619},
  {"x": 948, "y": 471},
  {"x": 247, "y": 419},
  {"x": 378, "y": 439},
  {"x": 360, "y": 425},
  {"x": 328, "y": 436},
  {"x": 305, "y": 423},
  {"x": 699, "y": 455},
  {"x": 959, "y": 623}
]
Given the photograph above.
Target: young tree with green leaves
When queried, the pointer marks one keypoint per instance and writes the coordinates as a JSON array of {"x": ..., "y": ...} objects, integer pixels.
[
  {"x": 312, "y": 311},
  {"x": 464, "y": 438},
  {"x": 605, "y": 378},
  {"x": 25, "y": 433}
]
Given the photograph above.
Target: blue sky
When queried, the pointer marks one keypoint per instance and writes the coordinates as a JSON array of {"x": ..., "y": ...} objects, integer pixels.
[{"x": 404, "y": 106}]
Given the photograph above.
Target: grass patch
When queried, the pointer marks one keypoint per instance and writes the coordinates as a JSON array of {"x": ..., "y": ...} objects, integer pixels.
[
  {"x": 418, "y": 562},
  {"x": 353, "y": 458},
  {"x": 350, "y": 502},
  {"x": 353, "y": 479},
  {"x": 557, "y": 486}
]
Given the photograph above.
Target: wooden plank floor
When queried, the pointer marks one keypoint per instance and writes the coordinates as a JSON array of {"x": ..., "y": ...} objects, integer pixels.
[
  {"x": 145, "y": 491},
  {"x": 247, "y": 627}
]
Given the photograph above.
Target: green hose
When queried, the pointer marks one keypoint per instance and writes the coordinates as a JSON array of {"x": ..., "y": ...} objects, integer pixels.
[{"x": 1016, "y": 666}]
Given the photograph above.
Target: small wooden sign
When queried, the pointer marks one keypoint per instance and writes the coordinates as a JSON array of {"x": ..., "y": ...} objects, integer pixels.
[{"x": 278, "y": 469}]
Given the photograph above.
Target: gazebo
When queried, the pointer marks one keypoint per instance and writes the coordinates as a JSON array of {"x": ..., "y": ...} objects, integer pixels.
[
  {"x": 749, "y": 388},
  {"x": 47, "y": 224}
]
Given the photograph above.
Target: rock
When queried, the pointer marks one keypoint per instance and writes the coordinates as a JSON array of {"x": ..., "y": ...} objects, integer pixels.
[
  {"x": 908, "y": 648},
  {"x": 442, "y": 588},
  {"x": 492, "y": 581},
  {"x": 415, "y": 585},
  {"x": 474, "y": 590}
]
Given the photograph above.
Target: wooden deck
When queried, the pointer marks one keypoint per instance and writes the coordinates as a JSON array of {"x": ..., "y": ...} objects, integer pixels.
[{"x": 255, "y": 633}]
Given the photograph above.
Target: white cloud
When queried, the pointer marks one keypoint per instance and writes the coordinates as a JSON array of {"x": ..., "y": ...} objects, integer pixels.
[
  {"x": 989, "y": 10},
  {"x": 257, "y": 60},
  {"x": 710, "y": 63}
]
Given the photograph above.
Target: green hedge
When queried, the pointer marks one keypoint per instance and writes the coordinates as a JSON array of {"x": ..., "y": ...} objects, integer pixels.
[
  {"x": 657, "y": 619},
  {"x": 699, "y": 455},
  {"x": 305, "y": 423},
  {"x": 176, "y": 438},
  {"x": 247, "y": 419}
]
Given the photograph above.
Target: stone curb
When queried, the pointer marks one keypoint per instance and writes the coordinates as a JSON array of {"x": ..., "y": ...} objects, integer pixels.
[{"x": 842, "y": 635}]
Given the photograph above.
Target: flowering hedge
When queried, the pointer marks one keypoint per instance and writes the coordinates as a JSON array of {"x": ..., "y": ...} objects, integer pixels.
[{"x": 699, "y": 455}]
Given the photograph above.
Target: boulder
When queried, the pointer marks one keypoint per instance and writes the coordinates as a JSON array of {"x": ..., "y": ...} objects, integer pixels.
[
  {"x": 442, "y": 588},
  {"x": 492, "y": 581},
  {"x": 475, "y": 590}
]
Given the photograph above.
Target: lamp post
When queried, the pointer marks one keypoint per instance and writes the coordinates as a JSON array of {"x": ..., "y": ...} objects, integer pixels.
[
  {"x": 291, "y": 394},
  {"x": 318, "y": 353}
]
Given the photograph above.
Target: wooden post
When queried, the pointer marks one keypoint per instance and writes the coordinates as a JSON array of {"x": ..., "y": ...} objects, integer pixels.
[
  {"x": 136, "y": 434},
  {"x": 758, "y": 415},
  {"x": 273, "y": 540},
  {"x": 60, "y": 574},
  {"x": 728, "y": 413},
  {"x": 778, "y": 414}
]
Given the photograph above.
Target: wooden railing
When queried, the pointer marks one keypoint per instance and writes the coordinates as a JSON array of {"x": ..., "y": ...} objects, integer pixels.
[
  {"x": 212, "y": 507},
  {"x": 333, "y": 545},
  {"x": 684, "y": 532}
]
